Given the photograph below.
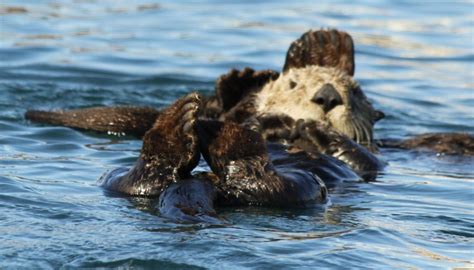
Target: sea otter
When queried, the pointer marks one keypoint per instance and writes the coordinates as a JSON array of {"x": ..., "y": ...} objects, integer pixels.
[
  {"x": 240, "y": 175},
  {"x": 316, "y": 84},
  {"x": 257, "y": 174},
  {"x": 268, "y": 102},
  {"x": 284, "y": 175},
  {"x": 314, "y": 110}
]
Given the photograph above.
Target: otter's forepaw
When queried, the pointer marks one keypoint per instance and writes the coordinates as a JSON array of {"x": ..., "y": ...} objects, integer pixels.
[
  {"x": 319, "y": 134},
  {"x": 278, "y": 127},
  {"x": 331, "y": 142},
  {"x": 252, "y": 123}
]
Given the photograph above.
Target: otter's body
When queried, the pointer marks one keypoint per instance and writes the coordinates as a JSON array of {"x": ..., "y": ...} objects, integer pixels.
[
  {"x": 240, "y": 176},
  {"x": 314, "y": 109}
]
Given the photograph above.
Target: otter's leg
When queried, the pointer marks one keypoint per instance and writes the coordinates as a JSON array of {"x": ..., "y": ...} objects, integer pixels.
[
  {"x": 314, "y": 135},
  {"x": 444, "y": 143},
  {"x": 238, "y": 156},
  {"x": 124, "y": 120},
  {"x": 170, "y": 151}
]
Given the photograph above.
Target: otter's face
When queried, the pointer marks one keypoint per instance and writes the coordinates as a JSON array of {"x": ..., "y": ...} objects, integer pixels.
[{"x": 323, "y": 94}]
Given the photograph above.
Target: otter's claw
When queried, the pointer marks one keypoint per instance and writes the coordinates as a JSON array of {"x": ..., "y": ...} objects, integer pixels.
[{"x": 187, "y": 127}]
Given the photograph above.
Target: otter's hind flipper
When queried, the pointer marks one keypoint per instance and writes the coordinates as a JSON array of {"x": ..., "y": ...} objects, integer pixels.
[
  {"x": 232, "y": 87},
  {"x": 328, "y": 48},
  {"x": 124, "y": 120},
  {"x": 169, "y": 153},
  {"x": 444, "y": 143},
  {"x": 239, "y": 157}
]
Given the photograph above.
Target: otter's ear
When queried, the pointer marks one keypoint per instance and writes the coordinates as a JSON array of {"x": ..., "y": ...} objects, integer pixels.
[
  {"x": 378, "y": 116},
  {"x": 327, "y": 48}
]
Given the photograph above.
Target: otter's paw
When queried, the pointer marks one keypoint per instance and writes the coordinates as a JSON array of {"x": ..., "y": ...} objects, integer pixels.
[
  {"x": 173, "y": 138},
  {"x": 278, "y": 127},
  {"x": 332, "y": 143},
  {"x": 319, "y": 135}
]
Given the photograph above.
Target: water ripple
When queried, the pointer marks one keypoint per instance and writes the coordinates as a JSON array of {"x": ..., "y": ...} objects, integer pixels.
[{"x": 414, "y": 61}]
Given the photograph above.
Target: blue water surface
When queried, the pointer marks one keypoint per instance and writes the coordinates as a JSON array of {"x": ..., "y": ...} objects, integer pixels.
[{"x": 414, "y": 60}]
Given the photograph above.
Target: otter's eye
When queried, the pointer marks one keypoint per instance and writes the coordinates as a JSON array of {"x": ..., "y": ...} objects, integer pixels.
[{"x": 293, "y": 84}]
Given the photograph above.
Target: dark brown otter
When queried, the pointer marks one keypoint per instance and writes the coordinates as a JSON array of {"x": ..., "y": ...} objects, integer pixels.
[
  {"x": 239, "y": 92},
  {"x": 314, "y": 106},
  {"x": 238, "y": 97},
  {"x": 240, "y": 175}
]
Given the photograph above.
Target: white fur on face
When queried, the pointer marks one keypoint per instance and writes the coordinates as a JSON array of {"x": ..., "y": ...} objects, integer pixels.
[
  {"x": 278, "y": 97},
  {"x": 351, "y": 118}
]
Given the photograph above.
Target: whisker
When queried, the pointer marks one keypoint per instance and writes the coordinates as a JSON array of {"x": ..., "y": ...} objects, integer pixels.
[
  {"x": 367, "y": 140},
  {"x": 368, "y": 132},
  {"x": 357, "y": 130},
  {"x": 362, "y": 132},
  {"x": 361, "y": 124}
]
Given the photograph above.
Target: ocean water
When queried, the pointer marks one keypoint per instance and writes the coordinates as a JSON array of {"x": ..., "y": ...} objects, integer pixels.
[{"x": 414, "y": 60}]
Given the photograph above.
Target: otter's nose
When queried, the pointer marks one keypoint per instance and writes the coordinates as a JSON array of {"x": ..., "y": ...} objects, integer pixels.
[{"x": 327, "y": 97}]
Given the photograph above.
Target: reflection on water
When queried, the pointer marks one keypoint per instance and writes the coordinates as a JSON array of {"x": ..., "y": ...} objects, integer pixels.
[{"x": 413, "y": 59}]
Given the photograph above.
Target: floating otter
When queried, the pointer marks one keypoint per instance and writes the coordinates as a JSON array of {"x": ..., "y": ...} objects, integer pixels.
[
  {"x": 316, "y": 84},
  {"x": 314, "y": 106},
  {"x": 267, "y": 102},
  {"x": 277, "y": 175},
  {"x": 240, "y": 175}
]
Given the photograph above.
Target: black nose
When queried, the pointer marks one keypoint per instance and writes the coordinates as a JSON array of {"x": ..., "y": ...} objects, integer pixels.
[{"x": 327, "y": 97}]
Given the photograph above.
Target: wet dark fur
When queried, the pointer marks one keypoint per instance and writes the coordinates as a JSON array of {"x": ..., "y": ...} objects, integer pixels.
[
  {"x": 445, "y": 143},
  {"x": 318, "y": 138},
  {"x": 247, "y": 174},
  {"x": 330, "y": 48},
  {"x": 244, "y": 171},
  {"x": 170, "y": 151},
  {"x": 126, "y": 120},
  {"x": 240, "y": 175}
]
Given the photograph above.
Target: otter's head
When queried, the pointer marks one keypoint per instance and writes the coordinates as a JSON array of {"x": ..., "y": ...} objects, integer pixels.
[{"x": 324, "y": 94}]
